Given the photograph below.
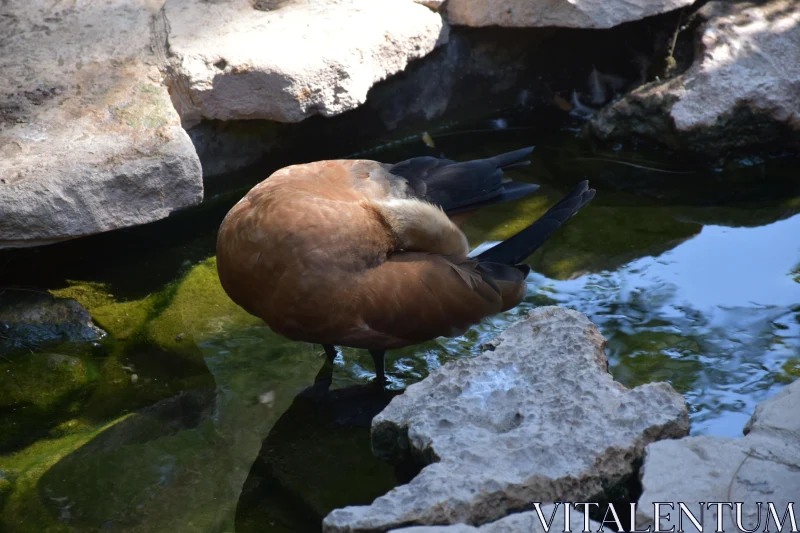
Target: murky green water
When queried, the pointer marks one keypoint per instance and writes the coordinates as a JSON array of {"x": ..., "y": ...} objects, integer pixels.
[{"x": 192, "y": 416}]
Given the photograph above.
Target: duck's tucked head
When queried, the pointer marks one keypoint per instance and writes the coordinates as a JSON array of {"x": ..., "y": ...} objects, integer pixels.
[{"x": 422, "y": 227}]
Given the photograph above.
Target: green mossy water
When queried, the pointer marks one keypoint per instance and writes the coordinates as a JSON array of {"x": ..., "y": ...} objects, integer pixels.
[
  {"x": 192, "y": 416},
  {"x": 46, "y": 390}
]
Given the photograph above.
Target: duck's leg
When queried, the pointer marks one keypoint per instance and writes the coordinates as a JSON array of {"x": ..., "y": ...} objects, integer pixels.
[
  {"x": 380, "y": 372},
  {"x": 325, "y": 375},
  {"x": 330, "y": 351}
]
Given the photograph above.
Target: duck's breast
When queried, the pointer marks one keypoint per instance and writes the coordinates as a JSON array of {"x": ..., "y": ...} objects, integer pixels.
[{"x": 293, "y": 249}]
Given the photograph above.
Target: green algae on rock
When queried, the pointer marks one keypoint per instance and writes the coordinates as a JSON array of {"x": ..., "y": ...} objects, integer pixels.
[
  {"x": 39, "y": 391},
  {"x": 177, "y": 319},
  {"x": 198, "y": 310},
  {"x": 792, "y": 369}
]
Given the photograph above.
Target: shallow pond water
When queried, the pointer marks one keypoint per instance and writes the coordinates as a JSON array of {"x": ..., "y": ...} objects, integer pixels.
[{"x": 190, "y": 415}]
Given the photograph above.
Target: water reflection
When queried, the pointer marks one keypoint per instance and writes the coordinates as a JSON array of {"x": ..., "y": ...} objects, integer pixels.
[
  {"x": 695, "y": 317},
  {"x": 316, "y": 458}
]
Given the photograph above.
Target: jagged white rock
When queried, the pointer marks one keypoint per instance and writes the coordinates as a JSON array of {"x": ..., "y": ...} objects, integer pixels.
[
  {"x": 539, "y": 418},
  {"x": 529, "y": 522}
]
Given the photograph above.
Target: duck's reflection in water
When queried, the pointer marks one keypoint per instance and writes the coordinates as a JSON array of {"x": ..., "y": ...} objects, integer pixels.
[{"x": 317, "y": 458}]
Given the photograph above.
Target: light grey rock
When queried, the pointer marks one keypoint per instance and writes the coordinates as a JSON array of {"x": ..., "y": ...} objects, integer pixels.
[
  {"x": 435, "y": 5},
  {"x": 560, "y": 13},
  {"x": 764, "y": 466},
  {"x": 230, "y": 61},
  {"x": 89, "y": 140},
  {"x": 529, "y": 522},
  {"x": 743, "y": 88},
  {"x": 539, "y": 418}
]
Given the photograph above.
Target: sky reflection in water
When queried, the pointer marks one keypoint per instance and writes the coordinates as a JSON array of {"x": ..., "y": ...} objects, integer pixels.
[{"x": 717, "y": 316}]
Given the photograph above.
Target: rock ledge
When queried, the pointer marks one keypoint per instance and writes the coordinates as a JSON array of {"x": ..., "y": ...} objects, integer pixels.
[
  {"x": 539, "y": 418},
  {"x": 230, "y": 61}
]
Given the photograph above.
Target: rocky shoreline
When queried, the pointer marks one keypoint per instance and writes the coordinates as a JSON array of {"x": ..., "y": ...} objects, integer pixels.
[
  {"x": 104, "y": 124},
  {"x": 538, "y": 418}
]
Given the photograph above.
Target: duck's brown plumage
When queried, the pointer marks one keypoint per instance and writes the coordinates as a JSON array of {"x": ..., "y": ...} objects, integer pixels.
[
  {"x": 343, "y": 253},
  {"x": 363, "y": 254}
]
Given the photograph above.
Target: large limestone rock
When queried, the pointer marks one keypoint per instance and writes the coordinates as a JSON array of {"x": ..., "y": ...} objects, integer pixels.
[
  {"x": 539, "y": 418},
  {"x": 743, "y": 88},
  {"x": 89, "y": 140},
  {"x": 231, "y": 61},
  {"x": 561, "y": 13},
  {"x": 529, "y": 522},
  {"x": 764, "y": 466}
]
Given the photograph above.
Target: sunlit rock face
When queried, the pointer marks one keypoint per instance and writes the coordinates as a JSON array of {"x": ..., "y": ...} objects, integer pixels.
[
  {"x": 743, "y": 88},
  {"x": 764, "y": 466},
  {"x": 559, "y": 13},
  {"x": 538, "y": 418},
  {"x": 89, "y": 140},
  {"x": 529, "y": 522},
  {"x": 231, "y": 61}
]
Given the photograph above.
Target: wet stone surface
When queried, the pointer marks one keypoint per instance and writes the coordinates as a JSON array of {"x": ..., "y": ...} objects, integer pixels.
[{"x": 539, "y": 418}]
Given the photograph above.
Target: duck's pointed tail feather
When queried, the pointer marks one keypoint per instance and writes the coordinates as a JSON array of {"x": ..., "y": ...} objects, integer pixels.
[
  {"x": 464, "y": 186},
  {"x": 511, "y": 159},
  {"x": 516, "y": 248}
]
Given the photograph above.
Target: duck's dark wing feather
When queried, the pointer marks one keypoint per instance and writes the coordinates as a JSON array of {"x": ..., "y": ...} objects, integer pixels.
[{"x": 467, "y": 185}]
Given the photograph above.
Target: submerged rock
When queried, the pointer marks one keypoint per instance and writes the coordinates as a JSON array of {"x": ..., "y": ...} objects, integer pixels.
[
  {"x": 743, "y": 88},
  {"x": 29, "y": 319},
  {"x": 177, "y": 319},
  {"x": 764, "y": 466},
  {"x": 539, "y": 418},
  {"x": 529, "y": 522},
  {"x": 89, "y": 140},
  {"x": 567, "y": 14},
  {"x": 231, "y": 61}
]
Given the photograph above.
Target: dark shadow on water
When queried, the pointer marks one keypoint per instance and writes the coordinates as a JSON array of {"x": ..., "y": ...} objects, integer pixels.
[{"x": 315, "y": 459}]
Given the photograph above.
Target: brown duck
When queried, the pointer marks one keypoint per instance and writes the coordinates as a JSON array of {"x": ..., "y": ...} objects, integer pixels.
[{"x": 370, "y": 255}]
